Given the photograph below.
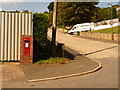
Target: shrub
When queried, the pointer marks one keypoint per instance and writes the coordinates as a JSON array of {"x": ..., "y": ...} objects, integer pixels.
[
  {"x": 40, "y": 27},
  {"x": 55, "y": 60},
  {"x": 105, "y": 23}
]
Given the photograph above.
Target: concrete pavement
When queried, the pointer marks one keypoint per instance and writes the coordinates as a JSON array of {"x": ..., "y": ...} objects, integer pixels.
[{"x": 78, "y": 65}]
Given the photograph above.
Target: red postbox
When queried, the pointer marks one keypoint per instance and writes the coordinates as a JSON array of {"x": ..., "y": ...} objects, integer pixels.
[{"x": 26, "y": 48}]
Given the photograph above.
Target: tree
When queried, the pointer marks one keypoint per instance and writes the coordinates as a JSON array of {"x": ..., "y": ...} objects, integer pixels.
[
  {"x": 25, "y": 11},
  {"x": 105, "y": 13},
  {"x": 99, "y": 14},
  {"x": 70, "y": 13},
  {"x": 45, "y": 12},
  {"x": 50, "y": 18},
  {"x": 118, "y": 14},
  {"x": 50, "y": 7},
  {"x": 114, "y": 13},
  {"x": 40, "y": 27}
]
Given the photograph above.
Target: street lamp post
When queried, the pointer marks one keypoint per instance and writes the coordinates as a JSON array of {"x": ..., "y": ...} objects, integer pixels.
[
  {"x": 54, "y": 28},
  {"x": 111, "y": 22}
]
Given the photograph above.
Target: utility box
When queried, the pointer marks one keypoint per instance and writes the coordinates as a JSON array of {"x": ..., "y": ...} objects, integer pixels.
[{"x": 26, "y": 49}]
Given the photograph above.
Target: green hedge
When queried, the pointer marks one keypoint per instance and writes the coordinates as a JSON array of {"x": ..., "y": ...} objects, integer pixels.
[
  {"x": 41, "y": 44},
  {"x": 40, "y": 26}
]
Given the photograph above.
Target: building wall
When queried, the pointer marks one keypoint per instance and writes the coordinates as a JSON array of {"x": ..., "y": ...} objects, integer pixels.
[{"x": 12, "y": 26}]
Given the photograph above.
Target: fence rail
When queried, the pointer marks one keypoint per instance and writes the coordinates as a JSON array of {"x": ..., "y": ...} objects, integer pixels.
[{"x": 12, "y": 26}]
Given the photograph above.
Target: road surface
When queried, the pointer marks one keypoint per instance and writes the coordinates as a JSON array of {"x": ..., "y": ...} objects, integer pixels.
[{"x": 105, "y": 52}]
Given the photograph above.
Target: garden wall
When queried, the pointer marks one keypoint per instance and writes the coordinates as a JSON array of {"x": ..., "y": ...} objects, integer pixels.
[{"x": 107, "y": 36}]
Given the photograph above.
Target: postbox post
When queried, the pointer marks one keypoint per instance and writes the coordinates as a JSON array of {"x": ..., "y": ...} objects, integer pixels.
[{"x": 60, "y": 49}]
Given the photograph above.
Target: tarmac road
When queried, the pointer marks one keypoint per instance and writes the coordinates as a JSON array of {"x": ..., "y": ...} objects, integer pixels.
[{"x": 105, "y": 52}]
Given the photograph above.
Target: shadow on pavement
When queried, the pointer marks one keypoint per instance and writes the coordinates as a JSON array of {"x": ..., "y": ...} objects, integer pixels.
[{"x": 69, "y": 55}]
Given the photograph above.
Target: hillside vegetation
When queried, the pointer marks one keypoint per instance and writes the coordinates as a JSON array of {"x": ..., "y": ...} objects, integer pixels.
[{"x": 108, "y": 30}]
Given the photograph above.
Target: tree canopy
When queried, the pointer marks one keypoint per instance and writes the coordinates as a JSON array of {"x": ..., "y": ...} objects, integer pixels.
[
  {"x": 71, "y": 13},
  {"x": 106, "y": 13},
  {"x": 119, "y": 14}
]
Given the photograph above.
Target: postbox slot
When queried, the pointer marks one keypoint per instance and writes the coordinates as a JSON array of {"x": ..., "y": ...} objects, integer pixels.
[{"x": 27, "y": 40}]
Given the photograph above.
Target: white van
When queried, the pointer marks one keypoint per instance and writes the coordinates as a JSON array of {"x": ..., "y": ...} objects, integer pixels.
[{"x": 81, "y": 27}]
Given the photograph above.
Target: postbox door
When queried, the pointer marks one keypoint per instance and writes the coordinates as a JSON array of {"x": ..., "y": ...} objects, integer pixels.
[{"x": 26, "y": 49}]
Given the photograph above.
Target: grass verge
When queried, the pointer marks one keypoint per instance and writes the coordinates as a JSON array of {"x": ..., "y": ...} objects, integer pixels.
[
  {"x": 108, "y": 30},
  {"x": 55, "y": 60}
]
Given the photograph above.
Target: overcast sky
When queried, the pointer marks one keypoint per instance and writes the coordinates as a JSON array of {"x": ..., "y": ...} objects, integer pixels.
[{"x": 39, "y": 5}]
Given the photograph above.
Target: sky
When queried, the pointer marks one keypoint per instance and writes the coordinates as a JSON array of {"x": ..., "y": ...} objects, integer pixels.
[{"x": 39, "y": 5}]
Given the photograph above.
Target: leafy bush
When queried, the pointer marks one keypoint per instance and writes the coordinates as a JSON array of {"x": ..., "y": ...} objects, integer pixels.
[
  {"x": 41, "y": 44},
  {"x": 55, "y": 60},
  {"x": 40, "y": 26},
  {"x": 105, "y": 23}
]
